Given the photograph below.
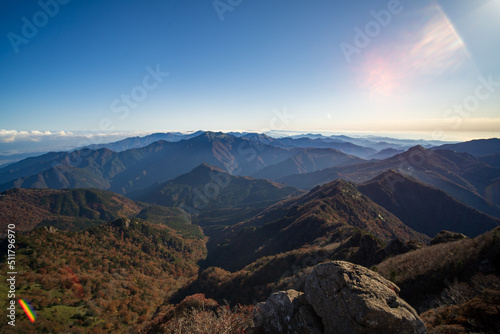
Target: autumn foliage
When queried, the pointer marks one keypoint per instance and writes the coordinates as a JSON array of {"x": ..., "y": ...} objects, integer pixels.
[
  {"x": 107, "y": 278},
  {"x": 198, "y": 315}
]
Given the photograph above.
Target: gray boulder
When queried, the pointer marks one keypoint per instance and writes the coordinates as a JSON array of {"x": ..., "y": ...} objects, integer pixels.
[
  {"x": 277, "y": 312},
  {"x": 306, "y": 321},
  {"x": 353, "y": 299}
]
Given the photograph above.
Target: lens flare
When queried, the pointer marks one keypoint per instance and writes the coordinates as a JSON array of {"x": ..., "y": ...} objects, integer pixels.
[
  {"x": 427, "y": 46},
  {"x": 439, "y": 48},
  {"x": 28, "y": 310}
]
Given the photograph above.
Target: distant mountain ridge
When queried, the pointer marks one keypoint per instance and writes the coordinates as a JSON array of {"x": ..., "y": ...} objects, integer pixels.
[
  {"x": 477, "y": 147},
  {"x": 138, "y": 168},
  {"x": 138, "y": 142},
  {"x": 423, "y": 208},
  {"x": 284, "y": 142},
  {"x": 134, "y": 169},
  {"x": 473, "y": 180},
  {"x": 386, "y": 153},
  {"x": 11, "y": 158},
  {"x": 209, "y": 187},
  {"x": 307, "y": 160},
  {"x": 461, "y": 175},
  {"x": 348, "y": 145}
]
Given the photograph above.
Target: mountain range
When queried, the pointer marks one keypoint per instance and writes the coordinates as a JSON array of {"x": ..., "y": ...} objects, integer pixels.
[
  {"x": 239, "y": 216},
  {"x": 465, "y": 177},
  {"x": 468, "y": 178},
  {"x": 424, "y": 208},
  {"x": 138, "y": 142},
  {"x": 317, "y": 217},
  {"x": 134, "y": 169},
  {"x": 479, "y": 147},
  {"x": 346, "y": 144},
  {"x": 307, "y": 160}
]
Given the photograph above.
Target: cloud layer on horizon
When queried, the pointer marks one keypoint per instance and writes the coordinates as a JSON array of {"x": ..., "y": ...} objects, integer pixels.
[
  {"x": 10, "y": 136},
  {"x": 20, "y": 141}
]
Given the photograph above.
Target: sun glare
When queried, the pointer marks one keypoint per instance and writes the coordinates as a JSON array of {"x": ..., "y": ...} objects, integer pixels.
[{"x": 430, "y": 48}]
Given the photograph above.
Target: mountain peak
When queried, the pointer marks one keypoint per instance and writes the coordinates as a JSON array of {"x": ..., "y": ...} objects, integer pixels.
[
  {"x": 389, "y": 180},
  {"x": 407, "y": 197},
  {"x": 332, "y": 189},
  {"x": 210, "y": 135},
  {"x": 414, "y": 151},
  {"x": 201, "y": 174},
  {"x": 390, "y": 173},
  {"x": 206, "y": 167},
  {"x": 418, "y": 148}
]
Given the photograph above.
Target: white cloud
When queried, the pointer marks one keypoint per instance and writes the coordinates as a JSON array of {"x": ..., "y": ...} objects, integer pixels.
[
  {"x": 19, "y": 141},
  {"x": 7, "y": 139},
  {"x": 9, "y": 136}
]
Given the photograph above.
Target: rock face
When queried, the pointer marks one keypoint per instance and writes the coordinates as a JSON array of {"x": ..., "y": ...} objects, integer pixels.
[
  {"x": 51, "y": 229},
  {"x": 340, "y": 298},
  {"x": 352, "y": 299},
  {"x": 306, "y": 321},
  {"x": 276, "y": 313},
  {"x": 447, "y": 236},
  {"x": 287, "y": 312}
]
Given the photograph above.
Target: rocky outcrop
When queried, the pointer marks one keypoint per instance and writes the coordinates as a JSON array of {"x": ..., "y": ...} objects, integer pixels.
[
  {"x": 447, "y": 236},
  {"x": 287, "y": 312},
  {"x": 51, "y": 229},
  {"x": 306, "y": 321},
  {"x": 352, "y": 299},
  {"x": 340, "y": 297},
  {"x": 276, "y": 313}
]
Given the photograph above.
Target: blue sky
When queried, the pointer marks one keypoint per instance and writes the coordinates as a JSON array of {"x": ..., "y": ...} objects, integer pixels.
[{"x": 425, "y": 66}]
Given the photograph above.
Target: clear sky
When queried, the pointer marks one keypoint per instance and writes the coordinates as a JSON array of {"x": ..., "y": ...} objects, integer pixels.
[{"x": 321, "y": 65}]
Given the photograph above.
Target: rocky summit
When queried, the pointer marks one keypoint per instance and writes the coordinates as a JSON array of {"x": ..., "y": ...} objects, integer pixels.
[{"x": 340, "y": 298}]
